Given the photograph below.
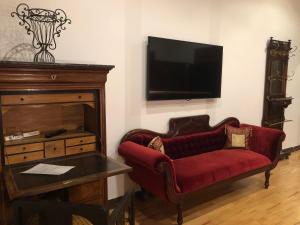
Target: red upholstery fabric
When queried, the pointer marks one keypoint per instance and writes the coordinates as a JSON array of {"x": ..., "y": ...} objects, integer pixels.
[
  {"x": 193, "y": 144},
  {"x": 149, "y": 180},
  {"x": 142, "y": 155},
  {"x": 190, "y": 144},
  {"x": 265, "y": 140},
  {"x": 198, "y": 171},
  {"x": 144, "y": 162}
]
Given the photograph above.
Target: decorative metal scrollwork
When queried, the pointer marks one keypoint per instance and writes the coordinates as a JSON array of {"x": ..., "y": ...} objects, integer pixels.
[
  {"x": 274, "y": 44},
  {"x": 278, "y": 53},
  {"x": 279, "y": 48},
  {"x": 291, "y": 77},
  {"x": 293, "y": 50},
  {"x": 44, "y": 25}
]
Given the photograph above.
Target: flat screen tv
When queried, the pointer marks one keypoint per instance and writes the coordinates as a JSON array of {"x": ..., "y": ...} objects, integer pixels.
[{"x": 183, "y": 70}]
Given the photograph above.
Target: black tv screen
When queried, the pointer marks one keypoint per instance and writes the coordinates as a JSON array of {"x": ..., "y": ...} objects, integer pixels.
[{"x": 183, "y": 70}]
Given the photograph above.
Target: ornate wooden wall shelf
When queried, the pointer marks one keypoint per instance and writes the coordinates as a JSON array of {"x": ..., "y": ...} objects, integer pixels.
[
  {"x": 285, "y": 102},
  {"x": 275, "y": 99},
  {"x": 279, "y": 99},
  {"x": 277, "y": 123},
  {"x": 271, "y": 78}
]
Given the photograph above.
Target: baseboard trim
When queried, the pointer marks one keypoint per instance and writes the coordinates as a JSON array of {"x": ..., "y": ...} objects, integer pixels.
[
  {"x": 291, "y": 149},
  {"x": 285, "y": 153}
]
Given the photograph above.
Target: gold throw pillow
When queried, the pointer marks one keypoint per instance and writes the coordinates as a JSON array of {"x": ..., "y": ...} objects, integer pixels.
[
  {"x": 157, "y": 144},
  {"x": 237, "y": 137}
]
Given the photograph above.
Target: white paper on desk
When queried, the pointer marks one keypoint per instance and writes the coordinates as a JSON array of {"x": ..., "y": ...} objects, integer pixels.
[{"x": 48, "y": 169}]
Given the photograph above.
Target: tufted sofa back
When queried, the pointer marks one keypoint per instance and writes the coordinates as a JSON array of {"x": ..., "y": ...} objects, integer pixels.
[
  {"x": 188, "y": 144},
  {"x": 193, "y": 144}
]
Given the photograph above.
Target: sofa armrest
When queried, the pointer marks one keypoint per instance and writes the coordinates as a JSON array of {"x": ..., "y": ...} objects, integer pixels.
[
  {"x": 142, "y": 155},
  {"x": 266, "y": 141},
  {"x": 153, "y": 161}
]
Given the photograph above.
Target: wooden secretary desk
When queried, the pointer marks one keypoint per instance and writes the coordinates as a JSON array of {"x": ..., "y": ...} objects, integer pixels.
[{"x": 47, "y": 98}]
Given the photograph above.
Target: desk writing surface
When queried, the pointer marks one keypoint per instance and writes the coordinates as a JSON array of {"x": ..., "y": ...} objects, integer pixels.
[{"x": 88, "y": 167}]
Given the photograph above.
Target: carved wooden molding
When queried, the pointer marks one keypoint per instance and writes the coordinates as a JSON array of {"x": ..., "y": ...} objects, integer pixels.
[{"x": 182, "y": 126}]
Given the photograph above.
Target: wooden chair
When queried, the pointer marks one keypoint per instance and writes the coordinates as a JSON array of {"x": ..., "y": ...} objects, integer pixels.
[{"x": 43, "y": 212}]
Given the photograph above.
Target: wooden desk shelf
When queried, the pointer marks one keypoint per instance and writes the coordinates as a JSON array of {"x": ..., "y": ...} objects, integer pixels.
[
  {"x": 41, "y": 138},
  {"x": 25, "y": 99},
  {"x": 24, "y": 112},
  {"x": 40, "y": 147}
]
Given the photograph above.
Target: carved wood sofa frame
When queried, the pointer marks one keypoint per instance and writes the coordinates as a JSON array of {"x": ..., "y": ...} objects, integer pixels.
[{"x": 188, "y": 125}]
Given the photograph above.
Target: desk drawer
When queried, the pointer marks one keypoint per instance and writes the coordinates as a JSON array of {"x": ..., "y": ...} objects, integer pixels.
[
  {"x": 26, "y": 157},
  {"x": 23, "y": 148},
  {"x": 53, "y": 76},
  {"x": 80, "y": 149},
  {"x": 54, "y": 149},
  {"x": 80, "y": 141},
  {"x": 46, "y": 98},
  {"x": 92, "y": 193}
]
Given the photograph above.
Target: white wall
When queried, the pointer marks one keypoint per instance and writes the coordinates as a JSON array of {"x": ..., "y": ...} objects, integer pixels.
[{"x": 115, "y": 32}]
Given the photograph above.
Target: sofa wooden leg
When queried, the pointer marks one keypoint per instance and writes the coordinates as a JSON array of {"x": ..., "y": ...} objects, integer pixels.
[
  {"x": 179, "y": 214},
  {"x": 143, "y": 195},
  {"x": 267, "y": 176}
]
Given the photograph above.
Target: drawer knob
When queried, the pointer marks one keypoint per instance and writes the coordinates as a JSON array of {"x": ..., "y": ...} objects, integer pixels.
[
  {"x": 81, "y": 141},
  {"x": 79, "y": 96},
  {"x": 81, "y": 149},
  {"x": 25, "y": 157},
  {"x": 22, "y": 99},
  {"x": 53, "y": 77},
  {"x": 24, "y": 148},
  {"x": 54, "y": 148}
]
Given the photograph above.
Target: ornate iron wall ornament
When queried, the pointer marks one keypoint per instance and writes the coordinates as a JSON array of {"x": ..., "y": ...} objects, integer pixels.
[{"x": 44, "y": 25}]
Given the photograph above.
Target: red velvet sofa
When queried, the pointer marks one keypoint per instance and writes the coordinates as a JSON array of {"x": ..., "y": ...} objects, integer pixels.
[{"x": 195, "y": 158}]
